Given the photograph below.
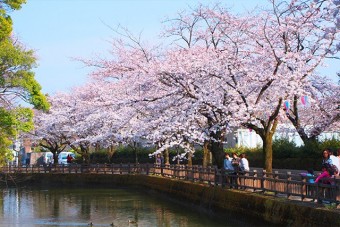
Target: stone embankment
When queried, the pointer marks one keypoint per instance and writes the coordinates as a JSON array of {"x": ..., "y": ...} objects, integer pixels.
[{"x": 217, "y": 200}]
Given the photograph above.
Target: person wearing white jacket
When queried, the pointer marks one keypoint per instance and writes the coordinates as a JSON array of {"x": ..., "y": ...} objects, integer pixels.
[
  {"x": 244, "y": 164},
  {"x": 335, "y": 160}
]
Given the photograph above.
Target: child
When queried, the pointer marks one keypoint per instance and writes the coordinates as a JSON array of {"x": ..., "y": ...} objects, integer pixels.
[
  {"x": 310, "y": 180},
  {"x": 310, "y": 176},
  {"x": 324, "y": 178},
  {"x": 325, "y": 174}
]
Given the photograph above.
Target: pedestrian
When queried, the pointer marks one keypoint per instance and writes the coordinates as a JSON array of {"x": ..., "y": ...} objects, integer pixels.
[
  {"x": 244, "y": 168},
  {"x": 227, "y": 163},
  {"x": 310, "y": 181},
  {"x": 162, "y": 161},
  {"x": 69, "y": 158},
  {"x": 337, "y": 154},
  {"x": 228, "y": 167},
  {"x": 234, "y": 176},
  {"x": 324, "y": 178},
  {"x": 335, "y": 161},
  {"x": 326, "y": 172},
  {"x": 244, "y": 163},
  {"x": 235, "y": 162},
  {"x": 158, "y": 159},
  {"x": 326, "y": 157}
]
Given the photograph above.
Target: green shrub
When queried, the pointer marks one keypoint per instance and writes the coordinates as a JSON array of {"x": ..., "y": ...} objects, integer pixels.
[
  {"x": 283, "y": 148},
  {"x": 99, "y": 157},
  {"x": 125, "y": 154},
  {"x": 333, "y": 144},
  {"x": 286, "y": 155},
  {"x": 311, "y": 149}
]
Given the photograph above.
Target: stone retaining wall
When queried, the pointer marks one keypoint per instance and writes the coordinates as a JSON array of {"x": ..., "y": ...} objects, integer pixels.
[{"x": 245, "y": 205}]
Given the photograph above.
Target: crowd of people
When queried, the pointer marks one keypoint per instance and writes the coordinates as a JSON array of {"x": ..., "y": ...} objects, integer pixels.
[
  {"x": 236, "y": 163},
  {"x": 330, "y": 164},
  {"x": 330, "y": 167}
]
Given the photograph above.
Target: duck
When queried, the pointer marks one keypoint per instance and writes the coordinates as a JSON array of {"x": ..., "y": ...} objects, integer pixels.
[
  {"x": 90, "y": 224},
  {"x": 132, "y": 221}
]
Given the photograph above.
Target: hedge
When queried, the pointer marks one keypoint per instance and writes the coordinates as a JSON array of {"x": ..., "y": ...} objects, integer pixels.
[{"x": 286, "y": 155}]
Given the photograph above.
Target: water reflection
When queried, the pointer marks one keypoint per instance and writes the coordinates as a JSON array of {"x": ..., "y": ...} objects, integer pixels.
[{"x": 101, "y": 207}]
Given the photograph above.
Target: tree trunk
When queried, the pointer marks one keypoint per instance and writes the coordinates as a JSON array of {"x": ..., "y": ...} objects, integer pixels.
[
  {"x": 83, "y": 150},
  {"x": 189, "y": 158},
  {"x": 97, "y": 147},
  {"x": 53, "y": 147},
  {"x": 206, "y": 152},
  {"x": 85, "y": 153},
  {"x": 268, "y": 152},
  {"x": 217, "y": 153},
  {"x": 166, "y": 156},
  {"x": 110, "y": 152},
  {"x": 135, "y": 152},
  {"x": 216, "y": 148},
  {"x": 55, "y": 156},
  {"x": 266, "y": 132}
]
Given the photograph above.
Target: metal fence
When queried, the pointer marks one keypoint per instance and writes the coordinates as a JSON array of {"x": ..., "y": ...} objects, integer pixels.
[{"x": 292, "y": 185}]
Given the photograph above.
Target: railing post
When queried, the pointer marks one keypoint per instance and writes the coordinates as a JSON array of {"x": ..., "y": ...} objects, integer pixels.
[
  {"x": 264, "y": 175},
  {"x": 255, "y": 179},
  {"x": 186, "y": 172},
  {"x": 193, "y": 173},
  {"x": 147, "y": 169},
  {"x": 223, "y": 177},
  {"x": 289, "y": 178},
  {"x": 120, "y": 168},
  {"x": 303, "y": 188},
  {"x": 175, "y": 171},
  {"x": 276, "y": 176},
  {"x": 337, "y": 189},
  {"x": 210, "y": 172}
]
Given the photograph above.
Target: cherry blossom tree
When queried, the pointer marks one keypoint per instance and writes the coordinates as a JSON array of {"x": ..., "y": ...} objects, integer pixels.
[
  {"x": 229, "y": 70},
  {"x": 217, "y": 72},
  {"x": 274, "y": 55},
  {"x": 310, "y": 119},
  {"x": 49, "y": 132}
]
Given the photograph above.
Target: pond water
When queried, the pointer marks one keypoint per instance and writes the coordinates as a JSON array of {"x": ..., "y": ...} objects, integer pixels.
[{"x": 97, "y": 207}]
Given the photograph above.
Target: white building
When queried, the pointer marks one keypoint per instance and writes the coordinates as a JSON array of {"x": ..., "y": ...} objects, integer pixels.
[{"x": 248, "y": 138}]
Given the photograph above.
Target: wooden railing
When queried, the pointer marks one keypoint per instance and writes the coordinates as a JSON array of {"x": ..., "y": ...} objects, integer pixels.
[{"x": 291, "y": 185}]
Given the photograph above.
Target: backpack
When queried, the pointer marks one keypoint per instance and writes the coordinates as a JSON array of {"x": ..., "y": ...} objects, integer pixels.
[
  {"x": 334, "y": 170},
  {"x": 235, "y": 162}
]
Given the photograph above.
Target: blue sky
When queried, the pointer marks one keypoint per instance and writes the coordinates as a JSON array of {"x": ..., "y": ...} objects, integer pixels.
[{"x": 59, "y": 30}]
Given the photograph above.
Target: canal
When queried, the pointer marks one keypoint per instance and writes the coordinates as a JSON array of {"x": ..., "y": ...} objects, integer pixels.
[{"x": 99, "y": 207}]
